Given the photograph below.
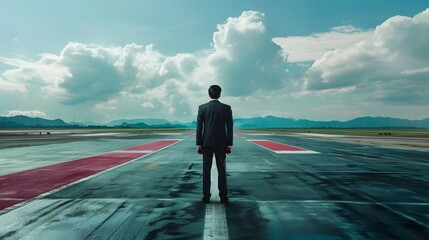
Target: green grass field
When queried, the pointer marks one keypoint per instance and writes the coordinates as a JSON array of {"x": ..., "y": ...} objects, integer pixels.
[
  {"x": 355, "y": 132},
  {"x": 352, "y": 132}
]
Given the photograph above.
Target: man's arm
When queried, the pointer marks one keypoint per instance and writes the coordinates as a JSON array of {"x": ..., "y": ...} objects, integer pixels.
[
  {"x": 229, "y": 127},
  {"x": 200, "y": 121}
]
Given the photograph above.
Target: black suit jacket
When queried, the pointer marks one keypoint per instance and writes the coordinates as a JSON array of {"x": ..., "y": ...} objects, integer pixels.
[{"x": 214, "y": 124}]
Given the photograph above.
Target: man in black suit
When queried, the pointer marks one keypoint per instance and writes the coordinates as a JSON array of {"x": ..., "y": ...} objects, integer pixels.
[{"x": 214, "y": 136}]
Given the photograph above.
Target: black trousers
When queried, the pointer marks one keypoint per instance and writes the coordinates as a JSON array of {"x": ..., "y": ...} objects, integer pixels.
[{"x": 220, "y": 156}]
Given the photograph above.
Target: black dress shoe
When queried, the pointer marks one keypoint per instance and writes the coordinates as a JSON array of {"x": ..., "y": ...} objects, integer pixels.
[
  {"x": 206, "y": 200},
  {"x": 224, "y": 200}
]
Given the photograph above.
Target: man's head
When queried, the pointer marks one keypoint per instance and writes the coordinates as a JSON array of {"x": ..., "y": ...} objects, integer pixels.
[{"x": 214, "y": 91}]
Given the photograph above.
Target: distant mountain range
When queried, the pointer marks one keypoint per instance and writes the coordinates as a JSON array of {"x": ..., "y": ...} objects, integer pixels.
[
  {"x": 23, "y": 121},
  {"x": 256, "y": 122},
  {"x": 362, "y": 122}
]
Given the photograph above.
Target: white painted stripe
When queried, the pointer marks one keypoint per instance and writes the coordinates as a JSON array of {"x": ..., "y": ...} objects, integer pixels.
[
  {"x": 132, "y": 151},
  {"x": 296, "y": 152},
  {"x": 269, "y": 163},
  {"x": 334, "y": 202},
  {"x": 404, "y": 215},
  {"x": 261, "y": 134},
  {"x": 214, "y": 183},
  {"x": 318, "y": 135},
  {"x": 97, "y": 134},
  {"x": 170, "y": 139},
  {"x": 167, "y": 134},
  {"x": 215, "y": 225},
  {"x": 250, "y": 200}
]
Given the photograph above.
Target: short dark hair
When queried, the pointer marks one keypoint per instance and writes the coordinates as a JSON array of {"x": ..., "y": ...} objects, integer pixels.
[{"x": 214, "y": 91}]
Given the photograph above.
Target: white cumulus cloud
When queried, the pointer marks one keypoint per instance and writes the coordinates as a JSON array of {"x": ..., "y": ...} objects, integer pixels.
[
  {"x": 245, "y": 60},
  {"x": 30, "y": 113},
  {"x": 93, "y": 75},
  {"x": 390, "y": 67},
  {"x": 148, "y": 105},
  {"x": 8, "y": 86},
  {"x": 310, "y": 48},
  {"x": 107, "y": 79},
  {"x": 47, "y": 70}
]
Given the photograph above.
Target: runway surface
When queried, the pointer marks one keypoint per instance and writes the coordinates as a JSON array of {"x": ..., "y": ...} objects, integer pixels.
[{"x": 148, "y": 186}]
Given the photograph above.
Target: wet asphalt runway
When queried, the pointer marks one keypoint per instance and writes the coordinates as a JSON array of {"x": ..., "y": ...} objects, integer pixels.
[{"x": 346, "y": 191}]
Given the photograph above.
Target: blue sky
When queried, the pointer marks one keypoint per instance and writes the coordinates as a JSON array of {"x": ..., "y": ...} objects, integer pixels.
[{"x": 321, "y": 60}]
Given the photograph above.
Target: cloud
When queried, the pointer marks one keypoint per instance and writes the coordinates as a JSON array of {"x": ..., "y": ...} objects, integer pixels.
[
  {"x": 310, "y": 48},
  {"x": 88, "y": 72},
  {"x": 8, "y": 86},
  {"x": 148, "y": 105},
  {"x": 31, "y": 113},
  {"x": 109, "y": 105},
  {"x": 179, "y": 106},
  {"x": 93, "y": 77},
  {"x": 390, "y": 67},
  {"x": 100, "y": 74},
  {"x": 245, "y": 60},
  {"x": 177, "y": 95},
  {"x": 47, "y": 70}
]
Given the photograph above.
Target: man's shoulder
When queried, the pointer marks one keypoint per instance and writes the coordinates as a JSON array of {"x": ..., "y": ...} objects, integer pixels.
[
  {"x": 226, "y": 105},
  {"x": 212, "y": 104},
  {"x": 203, "y": 105}
]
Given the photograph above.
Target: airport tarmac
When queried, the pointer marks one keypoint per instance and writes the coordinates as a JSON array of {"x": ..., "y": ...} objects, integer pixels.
[{"x": 148, "y": 186}]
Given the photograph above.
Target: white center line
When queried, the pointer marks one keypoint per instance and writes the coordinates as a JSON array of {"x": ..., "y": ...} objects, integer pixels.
[
  {"x": 215, "y": 225},
  {"x": 214, "y": 183}
]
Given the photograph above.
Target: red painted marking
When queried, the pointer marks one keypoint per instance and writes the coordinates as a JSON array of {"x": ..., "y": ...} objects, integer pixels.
[
  {"x": 21, "y": 186},
  {"x": 275, "y": 146},
  {"x": 31, "y": 183},
  {"x": 190, "y": 133},
  {"x": 153, "y": 146}
]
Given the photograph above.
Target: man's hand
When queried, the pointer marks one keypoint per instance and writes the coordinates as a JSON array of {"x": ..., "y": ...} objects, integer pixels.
[
  {"x": 228, "y": 150},
  {"x": 199, "y": 150}
]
